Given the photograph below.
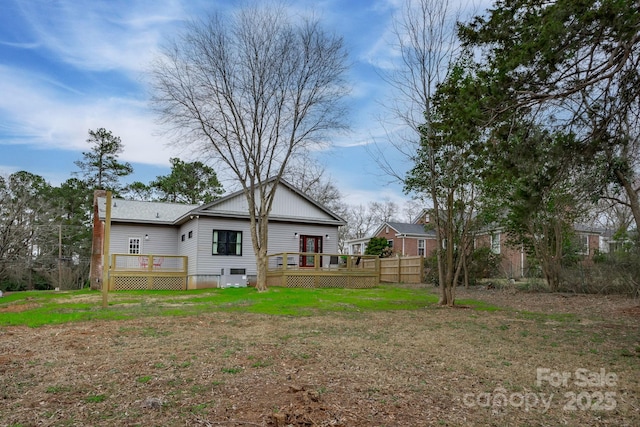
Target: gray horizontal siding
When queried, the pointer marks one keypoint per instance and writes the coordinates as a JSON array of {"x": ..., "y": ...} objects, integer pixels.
[
  {"x": 189, "y": 247},
  {"x": 287, "y": 204},
  {"x": 282, "y": 236},
  {"x": 281, "y": 239},
  {"x": 207, "y": 263},
  {"x": 162, "y": 240}
]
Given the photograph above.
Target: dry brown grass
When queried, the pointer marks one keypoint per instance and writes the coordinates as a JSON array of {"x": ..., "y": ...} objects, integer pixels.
[{"x": 404, "y": 368}]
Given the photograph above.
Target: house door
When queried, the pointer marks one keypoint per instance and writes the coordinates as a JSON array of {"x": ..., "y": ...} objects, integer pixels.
[{"x": 310, "y": 244}]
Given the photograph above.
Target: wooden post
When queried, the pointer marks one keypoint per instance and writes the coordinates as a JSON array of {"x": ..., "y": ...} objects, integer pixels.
[
  {"x": 106, "y": 242},
  {"x": 150, "y": 271}
]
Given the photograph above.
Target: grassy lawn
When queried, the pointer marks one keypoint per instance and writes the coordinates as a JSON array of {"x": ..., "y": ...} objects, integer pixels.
[
  {"x": 388, "y": 356},
  {"x": 39, "y": 308}
]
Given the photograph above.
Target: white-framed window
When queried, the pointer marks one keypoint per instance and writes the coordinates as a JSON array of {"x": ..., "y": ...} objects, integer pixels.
[
  {"x": 421, "y": 243},
  {"x": 495, "y": 243},
  {"x": 134, "y": 245},
  {"x": 390, "y": 243},
  {"x": 227, "y": 242}
]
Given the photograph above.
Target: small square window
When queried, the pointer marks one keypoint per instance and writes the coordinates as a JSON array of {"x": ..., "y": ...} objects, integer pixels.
[
  {"x": 190, "y": 234},
  {"x": 182, "y": 237}
]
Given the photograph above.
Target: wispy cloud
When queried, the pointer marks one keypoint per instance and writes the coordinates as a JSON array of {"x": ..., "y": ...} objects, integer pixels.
[
  {"x": 35, "y": 113},
  {"x": 100, "y": 36},
  {"x": 73, "y": 65}
]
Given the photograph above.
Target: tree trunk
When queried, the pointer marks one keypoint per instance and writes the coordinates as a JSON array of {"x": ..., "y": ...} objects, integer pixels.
[
  {"x": 448, "y": 296},
  {"x": 261, "y": 265},
  {"x": 260, "y": 246},
  {"x": 465, "y": 270},
  {"x": 449, "y": 267},
  {"x": 634, "y": 203}
]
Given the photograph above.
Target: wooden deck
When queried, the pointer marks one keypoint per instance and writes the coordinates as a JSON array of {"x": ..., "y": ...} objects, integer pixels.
[
  {"x": 287, "y": 269},
  {"x": 313, "y": 270},
  {"x": 147, "y": 271}
]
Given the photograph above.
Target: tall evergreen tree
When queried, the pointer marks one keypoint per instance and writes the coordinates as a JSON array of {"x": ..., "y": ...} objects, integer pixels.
[
  {"x": 100, "y": 167},
  {"x": 571, "y": 67},
  {"x": 188, "y": 182}
]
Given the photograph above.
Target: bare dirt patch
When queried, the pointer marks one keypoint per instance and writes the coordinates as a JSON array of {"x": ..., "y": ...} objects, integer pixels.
[
  {"x": 17, "y": 308},
  {"x": 434, "y": 366}
]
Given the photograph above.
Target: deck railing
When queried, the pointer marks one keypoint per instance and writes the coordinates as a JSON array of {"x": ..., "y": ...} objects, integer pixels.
[
  {"x": 322, "y": 270},
  {"x": 147, "y": 271}
]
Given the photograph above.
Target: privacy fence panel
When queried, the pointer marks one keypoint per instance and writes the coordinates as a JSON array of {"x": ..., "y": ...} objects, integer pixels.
[{"x": 402, "y": 269}]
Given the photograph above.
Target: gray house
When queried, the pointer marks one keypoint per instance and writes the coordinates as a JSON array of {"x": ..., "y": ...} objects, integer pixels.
[{"x": 215, "y": 238}]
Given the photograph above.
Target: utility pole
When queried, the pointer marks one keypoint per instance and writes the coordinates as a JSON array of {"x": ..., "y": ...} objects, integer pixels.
[{"x": 59, "y": 256}]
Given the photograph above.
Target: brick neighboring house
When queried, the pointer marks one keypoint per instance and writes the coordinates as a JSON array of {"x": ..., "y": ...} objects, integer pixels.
[
  {"x": 514, "y": 263},
  {"x": 411, "y": 239},
  {"x": 513, "y": 259},
  {"x": 405, "y": 239}
]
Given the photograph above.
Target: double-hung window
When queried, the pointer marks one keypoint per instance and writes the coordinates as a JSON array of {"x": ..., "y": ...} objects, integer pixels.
[
  {"x": 495, "y": 243},
  {"x": 227, "y": 242},
  {"x": 583, "y": 241}
]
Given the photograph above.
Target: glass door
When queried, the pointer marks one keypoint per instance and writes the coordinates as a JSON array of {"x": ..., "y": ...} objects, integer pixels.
[{"x": 312, "y": 244}]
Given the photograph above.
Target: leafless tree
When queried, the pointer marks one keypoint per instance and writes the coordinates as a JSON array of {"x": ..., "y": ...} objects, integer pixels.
[
  {"x": 384, "y": 211},
  {"x": 363, "y": 220},
  {"x": 251, "y": 90},
  {"x": 426, "y": 43},
  {"x": 413, "y": 209},
  {"x": 23, "y": 208},
  {"x": 310, "y": 176}
]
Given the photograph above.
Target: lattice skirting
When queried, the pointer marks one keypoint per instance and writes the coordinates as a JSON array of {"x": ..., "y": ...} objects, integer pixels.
[
  {"x": 354, "y": 282},
  {"x": 131, "y": 283}
]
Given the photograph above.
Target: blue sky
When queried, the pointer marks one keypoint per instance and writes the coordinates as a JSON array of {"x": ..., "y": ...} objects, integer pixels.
[{"x": 73, "y": 65}]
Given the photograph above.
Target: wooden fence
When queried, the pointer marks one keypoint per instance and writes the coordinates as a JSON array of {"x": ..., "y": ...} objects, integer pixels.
[
  {"x": 314, "y": 270},
  {"x": 402, "y": 269}
]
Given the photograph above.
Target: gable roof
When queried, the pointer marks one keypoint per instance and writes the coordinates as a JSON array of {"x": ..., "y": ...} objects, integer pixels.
[
  {"x": 233, "y": 205},
  {"x": 406, "y": 229}
]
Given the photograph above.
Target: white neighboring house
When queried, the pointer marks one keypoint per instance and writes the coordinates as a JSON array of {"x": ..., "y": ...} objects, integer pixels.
[{"x": 216, "y": 237}]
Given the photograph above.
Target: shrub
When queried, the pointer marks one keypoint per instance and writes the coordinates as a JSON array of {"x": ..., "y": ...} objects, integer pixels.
[
  {"x": 378, "y": 246},
  {"x": 614, "y": 273},
  {"x": 484, "y": 264},
  {"x": 12, "y": 286}
]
